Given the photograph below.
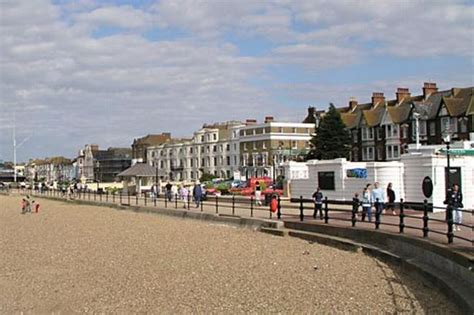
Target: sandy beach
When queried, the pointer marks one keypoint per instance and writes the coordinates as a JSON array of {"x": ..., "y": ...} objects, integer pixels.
[{"x": 75, "y": 258}]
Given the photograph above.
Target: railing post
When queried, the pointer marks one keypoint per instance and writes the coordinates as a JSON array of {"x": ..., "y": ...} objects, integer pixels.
[
  {"x": 100, "y": 197},
  {"x": 154, "y": 199},
  {"x": 301, "y": 209},
  {"x": 450, "y": 233},
  {"x": 176, "y": 201},
  {"x": 166, "y": 201},
  {"x": 202, "y": 206},
  {"x": 107, "y": 196},
  {"x": 136, "y": 198},
  {"x": 189, "y": 200},
  {"x": 128, "y": 195},
  {"x": 326, "y": 210},
  {"x": 89, "y": 195},
  {"x": 279, "y": 208},
  {"x": 120, "y": 197},
  {"x": 233, "y": 204},
  {"x": 251, "y": 206},
  {"x": 355, "y": 206},
  {"x": 402, "y": 215},
  {"x": 217, "y": 204},
  {"x": 425, "y": 218},
  {"x": 377, "y": 214},
  {"x": 145, "y": 199}
]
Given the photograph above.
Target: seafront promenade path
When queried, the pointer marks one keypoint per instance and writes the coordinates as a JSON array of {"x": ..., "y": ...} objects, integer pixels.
[{"x": 338, "y": 214}]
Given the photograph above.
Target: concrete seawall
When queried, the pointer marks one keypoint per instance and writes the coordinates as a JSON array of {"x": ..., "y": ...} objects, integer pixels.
[{"x": 452, "y": 271}]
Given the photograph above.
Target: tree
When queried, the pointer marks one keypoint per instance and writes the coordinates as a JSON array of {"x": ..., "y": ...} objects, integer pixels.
[{"x": 332, "y": 139}]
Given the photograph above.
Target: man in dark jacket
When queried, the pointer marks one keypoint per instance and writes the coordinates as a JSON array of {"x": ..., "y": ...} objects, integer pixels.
[
  {"x": 197, "y": 194},
  {"x": 318, "y": 203},
  {"x": 455, "y": 201}
]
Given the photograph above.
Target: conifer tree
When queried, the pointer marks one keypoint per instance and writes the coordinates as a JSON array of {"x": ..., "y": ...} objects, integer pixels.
[{"x": 332, "y": 139}]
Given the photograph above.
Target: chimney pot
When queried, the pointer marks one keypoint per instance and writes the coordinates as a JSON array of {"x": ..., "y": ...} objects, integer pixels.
[
  {"x": 402, "y": 93},
  {"x": 268, "y": 119},
  {"x": 429, "y": 88},
  {"x": 377, "y": 97},
  {"x": 352, "y": 103}
]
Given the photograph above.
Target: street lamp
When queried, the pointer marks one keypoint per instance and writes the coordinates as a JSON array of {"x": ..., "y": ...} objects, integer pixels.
[
  {"x": 447, "y": 139},
  {"x": 416, "y": 116}
]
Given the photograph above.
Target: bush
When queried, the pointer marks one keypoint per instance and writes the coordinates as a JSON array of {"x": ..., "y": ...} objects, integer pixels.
[{"x": 223, "y": 188}]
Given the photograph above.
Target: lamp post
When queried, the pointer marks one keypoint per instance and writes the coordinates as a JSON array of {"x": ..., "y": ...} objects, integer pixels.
[
  {"x": 416, "y": 116},
  {"x": 447, "y": 140}
]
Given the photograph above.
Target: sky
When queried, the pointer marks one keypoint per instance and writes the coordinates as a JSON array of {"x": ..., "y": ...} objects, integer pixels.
[{"x": 106, "y": 72}]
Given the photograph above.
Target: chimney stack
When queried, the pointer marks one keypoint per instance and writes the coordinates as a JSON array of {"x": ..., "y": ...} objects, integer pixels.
[
  {"x": 429, "y": 88},
  {"x": 268, "y": 119},
  {"x": 377, "y": 97},
  {"x": 402, "y": 93},
  {"x": 352, "y": 103},
  {"x": 251, "y": 122}
]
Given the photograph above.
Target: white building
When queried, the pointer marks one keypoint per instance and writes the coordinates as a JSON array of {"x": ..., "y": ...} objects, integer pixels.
[{"x": 213, "y": 150}]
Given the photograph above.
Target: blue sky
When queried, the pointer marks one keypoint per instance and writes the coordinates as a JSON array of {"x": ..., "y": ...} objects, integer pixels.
[{"x": 106, "y": 72}]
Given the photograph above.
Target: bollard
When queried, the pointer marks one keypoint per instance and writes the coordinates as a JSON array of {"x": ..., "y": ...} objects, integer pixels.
[
  {"x": 166, "y": 201},
  {"x": 89, "y": 195},
  {"x": 233, "y": 204},
  {"x": 425, "y": 218},
  {"x": 107, "y": 196},
  {"x": 145, "y": 200},
  {"x": 251, "y": 206},
  {"x": 450, "y": 233},
  {"x": 377, "y": 214},
  {"x": 301, "y": 209},
  {"x": 201, "y": 204},
  {"x": 279, "y": 208},
  {"x": 189, "y": 200},
  {"x": 136, "y": 198},
  {"x": 128, "y": 193},
  {"x": 326, "y": 210},
  {"x": 154, "y": 199},
  {"x": 402, "y": 216},
  {"x": 176, "y": 201},
  {"x": 217, "y": 204},
  {"x": 100, "y": 197}
]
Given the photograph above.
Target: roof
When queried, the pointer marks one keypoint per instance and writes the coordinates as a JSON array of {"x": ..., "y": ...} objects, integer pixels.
[
  {"x": 152, "y": 139},
  {"x": 399, "y": 113},
  {"x": 374, "y": 116},
  {"x": 139, "y": 170},
  {"x": 351, "y": 120},
  {"x": 460, "y": 102}
]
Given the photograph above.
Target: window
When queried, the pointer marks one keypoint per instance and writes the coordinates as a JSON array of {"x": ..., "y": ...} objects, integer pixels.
[
  {"x": 280, "y": 130},
  {"x": 379, "y": 133},
  {"x": 368, "y": 153},
  {"x": 355, "y": 136},
  {"x": 227, "y": 147},
  {"x": 445, "y": 123},
  {"x": 295, "y": 130},
  {"x": 203, "y": 163},
  {"x": 454, "y": 124},
  {"x": 326, "y": 180},
  {"x": 379, "y": 153},
  {"x": 405, "y": 131},
  {"x": 393, "y": 152},
  {"x": 463, "y": 124},
  {"x": 294, "y": 145},
  {"x": 367, "y": 133},
  {"x": 395, "y": 131},
  {"x": 214, "y": 148},
  {"x": 202, "y": 138},
  {"x": 191, "y": 163},
  {"x": 214, "y": 136},
  {"x": 432, "y": 128},
  {"x": 202, "y": 149},
  {"x": 190, "y": 150},
  {"x": 388, "y": 131},
  {"x": 215, "y": 161},
  {"x": 228, "y": 160},
  {"x": 370, "y": 133},
  {"x": 208, "y": 149}
]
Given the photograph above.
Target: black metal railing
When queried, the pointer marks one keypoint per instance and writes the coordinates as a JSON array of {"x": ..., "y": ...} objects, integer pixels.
[{"x": 413, "y": 216}]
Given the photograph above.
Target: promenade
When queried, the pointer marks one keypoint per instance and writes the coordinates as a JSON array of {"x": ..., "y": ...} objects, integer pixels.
[
  {"x": 83, "y": 258},
  {"x": 339, "y": 215}
]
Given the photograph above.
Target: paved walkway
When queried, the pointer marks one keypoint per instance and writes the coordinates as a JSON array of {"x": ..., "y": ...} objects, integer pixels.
[{"x": 339, "y": 215}]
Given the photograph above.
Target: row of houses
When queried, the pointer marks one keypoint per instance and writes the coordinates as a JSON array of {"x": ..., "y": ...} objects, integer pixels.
[{"x": 382, "y": 129}]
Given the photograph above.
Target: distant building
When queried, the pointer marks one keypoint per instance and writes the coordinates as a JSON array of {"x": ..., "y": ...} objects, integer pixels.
[
  {"x": 140, "y": 145},
  {"x": 55, "y": 169},
  {"x": 267, "y": 145},
  {"x": 102, "y": 165},
  {"x": 213, "y": 149}
]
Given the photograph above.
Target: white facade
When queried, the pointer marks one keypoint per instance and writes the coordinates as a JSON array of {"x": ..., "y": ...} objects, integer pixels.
[
  {"x": 213, "y": 149},
  {"x": 406, "y": 176}
]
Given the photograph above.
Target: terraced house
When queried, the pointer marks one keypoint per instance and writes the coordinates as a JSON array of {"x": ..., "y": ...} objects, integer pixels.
[
  {"x": 213, "y": 149},
  {"x": 381, "y": 130}
]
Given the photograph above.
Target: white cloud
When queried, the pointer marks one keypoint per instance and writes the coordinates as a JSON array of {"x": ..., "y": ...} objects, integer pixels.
[{"x": 125, "y": 17}]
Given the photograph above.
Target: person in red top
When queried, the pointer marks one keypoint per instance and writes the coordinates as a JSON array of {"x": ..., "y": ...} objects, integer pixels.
[{"x": 274, "y": 204}]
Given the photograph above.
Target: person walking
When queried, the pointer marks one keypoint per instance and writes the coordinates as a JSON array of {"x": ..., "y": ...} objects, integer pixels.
[
  {"x": 378, "y": 198},
  {"x": 184, "y": 193},
  {"x": 318, "y": 203},
  {"x": 356, "y": 204},
  {"x": 391, "y": 198},
  {"x": 258, "y": 194},
  {"x": 169, "y": 194},
  {"x": 366, "y": 203},
  {"x": 455, "y": 201},
  {"x": 197, "y": 194}
]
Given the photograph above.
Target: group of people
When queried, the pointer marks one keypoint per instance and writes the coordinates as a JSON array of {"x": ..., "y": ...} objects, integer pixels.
[
  {"x": 184, "y": 193},
  {"x": 28, "y": 205},
  {"x": 381, "y": 200},
  {"x": 372, "y": 198}
]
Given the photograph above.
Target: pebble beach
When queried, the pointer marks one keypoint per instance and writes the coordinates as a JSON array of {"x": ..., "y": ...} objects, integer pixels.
[{"x": 72, "y": 258}]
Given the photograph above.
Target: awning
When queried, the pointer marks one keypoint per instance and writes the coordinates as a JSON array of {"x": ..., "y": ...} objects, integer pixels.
[{"x": 469, "y": 152}]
